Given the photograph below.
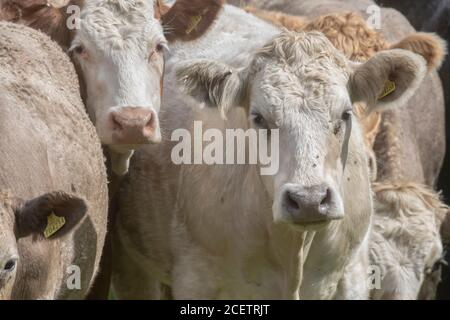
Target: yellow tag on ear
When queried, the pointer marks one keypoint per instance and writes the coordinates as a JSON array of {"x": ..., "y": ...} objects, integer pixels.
[
  {"x": 193, "y": 23},
  {"x": 54, "y": 223},
  {"x": 389, "y": 87}
]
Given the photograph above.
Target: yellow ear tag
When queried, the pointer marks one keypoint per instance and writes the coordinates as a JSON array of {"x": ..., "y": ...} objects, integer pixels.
[
  {"x": 389, "y": 87},
  {"x": 193, "y": 23},
  {"x": 54, "y": 223}
]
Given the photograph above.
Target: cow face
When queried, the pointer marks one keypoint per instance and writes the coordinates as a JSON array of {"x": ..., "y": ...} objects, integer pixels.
[
  {"x": 302, "y": 86},
  {"x": 118, "y": 49},
  {"x": 8, "y": 250},
  {"x": 19, "y": 218},
  {"x": 406, "y": 242}
]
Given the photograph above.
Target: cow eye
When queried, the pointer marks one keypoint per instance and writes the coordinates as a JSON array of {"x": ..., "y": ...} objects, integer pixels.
[
  {"x": 347, "y": 114},
  {"x": 258, "y": 120},
  {"x": 10, "y": 265},
  {"x": 79, "y": 50},
  {"x": 159, "y": 47}
]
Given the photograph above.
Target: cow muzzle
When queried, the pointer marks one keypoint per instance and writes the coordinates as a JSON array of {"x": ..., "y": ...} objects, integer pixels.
[
  {"x": 134, "y": 126},
  {"x": 310, "y": 205}
]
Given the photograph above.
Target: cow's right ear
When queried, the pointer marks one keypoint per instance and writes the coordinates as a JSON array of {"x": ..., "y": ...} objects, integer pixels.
[
  {"x": 52, "y": 215},
  {"x": 214, "y": 83}
]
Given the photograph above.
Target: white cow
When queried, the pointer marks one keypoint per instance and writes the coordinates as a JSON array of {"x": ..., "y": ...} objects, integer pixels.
[
  {"x": 225, "y": 231},
  {"x": 118, "y": 49}
]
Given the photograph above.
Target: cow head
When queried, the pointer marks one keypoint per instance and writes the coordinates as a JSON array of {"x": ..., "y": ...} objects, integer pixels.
[
  {"x": 406, "y": 241},
  {"x": 19, "y": 218},
  {"x": 302, "y": 86},
  {"x": 118, "y": 50}
]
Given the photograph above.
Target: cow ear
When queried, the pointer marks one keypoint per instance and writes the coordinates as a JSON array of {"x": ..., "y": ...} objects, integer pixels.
[
  {"x": 52, "y": 215},
  {"x": 189, "y": 19},
  {"x": 428, "y": 45},
  {"x": 387, "y": 79},
  {"x": 214, "y": 83},
  {"x": 160, "y": 9}
]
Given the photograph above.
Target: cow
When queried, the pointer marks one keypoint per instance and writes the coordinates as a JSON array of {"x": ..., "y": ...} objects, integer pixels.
[
  {"x": 412, "y": 267},
  {"x": 118, "y": 49},
  {"x": 405, "y": 243},
  {"x": 394, "y": 27},
  {"x": 212, "y": 231},
  {"x": 53, "y": 185},
  {"x": 351, "y": 34},
  {"x": 433, "y": 16}
]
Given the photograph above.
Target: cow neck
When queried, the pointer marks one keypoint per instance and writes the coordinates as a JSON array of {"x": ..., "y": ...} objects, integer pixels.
[{"x": 387, "y": 148}]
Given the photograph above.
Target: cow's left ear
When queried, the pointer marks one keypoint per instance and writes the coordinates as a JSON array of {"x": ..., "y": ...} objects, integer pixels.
[
  {"x": 387, "y": 79},
  {"x": 189, "y": 19},
  {"x": 52, "y": 215}
]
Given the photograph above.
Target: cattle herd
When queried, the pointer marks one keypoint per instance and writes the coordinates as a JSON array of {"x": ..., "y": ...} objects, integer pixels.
[{"x": 345, "y": 93}]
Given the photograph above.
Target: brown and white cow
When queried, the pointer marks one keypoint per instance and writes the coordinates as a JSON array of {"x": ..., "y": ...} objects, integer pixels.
[
  {"x": 51, "y": 165},
  {"x": 224, "y": 231},
  {"x": 118, "y": 49}
]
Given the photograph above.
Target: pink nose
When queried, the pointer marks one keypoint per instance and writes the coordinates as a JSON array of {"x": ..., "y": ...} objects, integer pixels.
[{"x": 133, "y": 125}]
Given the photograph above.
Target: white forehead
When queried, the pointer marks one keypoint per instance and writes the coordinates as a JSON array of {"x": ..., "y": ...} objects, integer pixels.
[
  {"x": 300, "y": 71},
  {"x": 112, "y": 25}
]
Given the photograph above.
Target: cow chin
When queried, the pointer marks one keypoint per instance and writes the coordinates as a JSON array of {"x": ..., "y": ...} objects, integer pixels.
[
  {"x": 300, "y": 227},
  {"x": 120, "y": 158}
]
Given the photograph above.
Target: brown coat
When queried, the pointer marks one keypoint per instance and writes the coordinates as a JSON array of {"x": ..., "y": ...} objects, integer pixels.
[{"x": 47, "y": 143}]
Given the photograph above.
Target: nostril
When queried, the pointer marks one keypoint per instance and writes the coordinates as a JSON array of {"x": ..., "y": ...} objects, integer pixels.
[
  {"x": 291, "y": 202},
  {"x": 10, "y": 265},
  {"x": 149, "y": 126},
  {"x": 323, "y": 206},
  {"x": 327, "y": 197},
  {"x": 150, "y": 120},
  {"x": 116, "y": 123}
]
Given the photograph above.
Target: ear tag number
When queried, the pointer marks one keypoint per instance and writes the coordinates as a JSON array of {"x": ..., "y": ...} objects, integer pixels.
[
  {"x": 389, "y": 87},
  {"x": 193, "y": 23},
  {"x": 54, "y": 223}
]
